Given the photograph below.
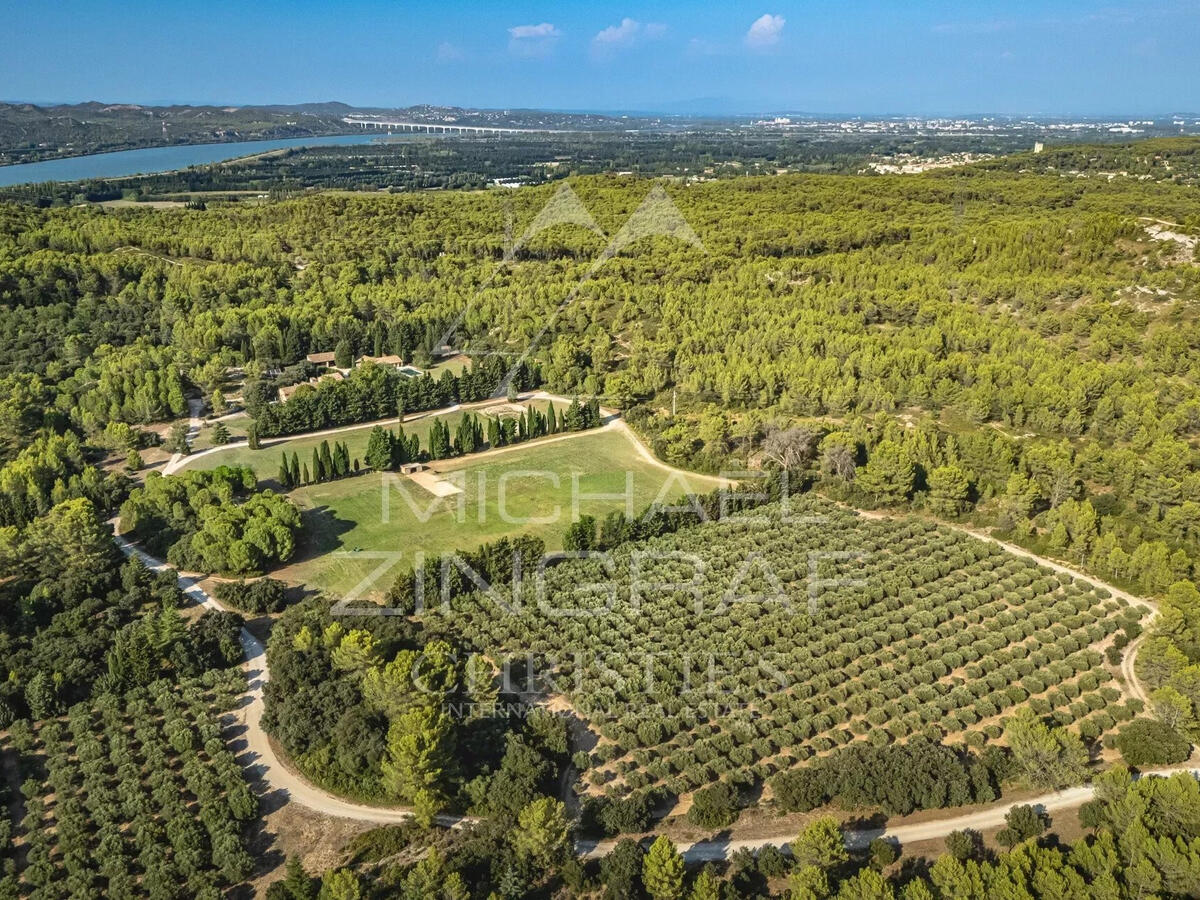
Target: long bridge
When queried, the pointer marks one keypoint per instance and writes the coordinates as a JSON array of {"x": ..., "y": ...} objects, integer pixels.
[{"x": 444, "y": 127}]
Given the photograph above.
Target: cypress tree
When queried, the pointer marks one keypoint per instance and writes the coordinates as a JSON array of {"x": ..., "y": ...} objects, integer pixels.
[
  {"x": 327, "y": 470},
  {"x": 400, "y": 454},
  {"x": 573, "y": 418},
  {"x": 439, "y": 440},
  {"x": 379, "y": 449}
]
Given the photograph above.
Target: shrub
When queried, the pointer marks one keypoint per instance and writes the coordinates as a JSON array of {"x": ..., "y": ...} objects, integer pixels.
[
  {"x": 799, "y": 790},
  {"x": 264, "y": 595},
  {"x": 1148, "y": 742},
  {"x": 1021, "y": 824},
  {"x": 883, "y": 853},
  {"x": 716, "y": 806},
  {"x": 964, "y": 845}
]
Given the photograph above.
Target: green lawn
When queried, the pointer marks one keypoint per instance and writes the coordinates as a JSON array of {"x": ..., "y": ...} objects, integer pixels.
[
  {"x": 456, "y": 364},
  {"x": 265, "y": 461},
  {"x": 529, "y": 489}
]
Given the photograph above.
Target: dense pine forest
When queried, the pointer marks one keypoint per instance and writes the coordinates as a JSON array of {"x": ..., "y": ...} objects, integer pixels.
[{"x": 1005, "y": 347}]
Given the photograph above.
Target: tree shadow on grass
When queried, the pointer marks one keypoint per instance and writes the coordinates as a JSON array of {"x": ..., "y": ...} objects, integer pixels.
[{"x": 321, "y": 534}]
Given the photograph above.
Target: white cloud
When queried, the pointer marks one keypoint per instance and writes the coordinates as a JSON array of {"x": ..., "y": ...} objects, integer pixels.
[
  {"x": 533, "y": 41},
  {"x": 524, "y": 32},
  {"x": 628, "y": 33},
  {"x": 765, "y": 31},
  {"x": 625, "y": 33}
]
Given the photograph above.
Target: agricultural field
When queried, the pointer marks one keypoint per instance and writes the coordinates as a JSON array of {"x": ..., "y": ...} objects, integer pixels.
[
  {"x": 906, "y": 629},
  {"x": 134, "y": 796},
  {"x": 527, "y": 488}
]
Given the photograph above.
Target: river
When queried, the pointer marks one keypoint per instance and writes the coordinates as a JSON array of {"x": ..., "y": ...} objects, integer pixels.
[{"x": 158, "y": 159}]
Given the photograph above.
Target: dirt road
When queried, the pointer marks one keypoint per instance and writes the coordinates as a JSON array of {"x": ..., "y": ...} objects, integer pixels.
[
  {"x": 267, "y": 771},
  {"x": 179, "y": 460},
  {"x": 993, "y": 817},
  {"x": 270, "y": 774}
]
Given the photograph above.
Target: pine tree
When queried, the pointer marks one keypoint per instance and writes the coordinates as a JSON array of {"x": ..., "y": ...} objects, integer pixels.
[
  {"x": 821, "y": 844},
  {"x": 706, "y": 886},
  {"x": 317, "y": 474},
  {"x": 169, "y": 627},
  {"x": 297, "y": 885},
  {"x": 662, "y": 870},
  {"x": 295, "y": 469},
  {"x": 419, "y": 751},
  {"x": 541, "y": 833},
  {"x": 889, "y": 474},
  {"x": 285, "y": 473}
]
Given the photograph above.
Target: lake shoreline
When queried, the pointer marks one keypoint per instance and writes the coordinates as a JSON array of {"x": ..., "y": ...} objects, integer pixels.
[
  {"x": 181, "y": 143},
  {"x": 121, "y": 164}
]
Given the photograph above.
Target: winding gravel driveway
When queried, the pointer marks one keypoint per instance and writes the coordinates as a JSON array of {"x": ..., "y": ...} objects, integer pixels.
[
  {"x": 272, "y": 775},
  {"x": 265, "y": 768}
]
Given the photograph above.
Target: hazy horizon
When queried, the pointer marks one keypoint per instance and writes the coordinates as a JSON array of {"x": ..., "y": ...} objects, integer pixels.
[
  {"x": 1068, "y": 58},
  {"x": 696, "y": 110}
]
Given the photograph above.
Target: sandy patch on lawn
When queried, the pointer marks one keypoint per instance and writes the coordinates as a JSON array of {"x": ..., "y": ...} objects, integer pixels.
[{"x": 435, "y": 484}]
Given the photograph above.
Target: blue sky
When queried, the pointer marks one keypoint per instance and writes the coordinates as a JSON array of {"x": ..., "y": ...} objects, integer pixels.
[{"x": 852, "y": 56}]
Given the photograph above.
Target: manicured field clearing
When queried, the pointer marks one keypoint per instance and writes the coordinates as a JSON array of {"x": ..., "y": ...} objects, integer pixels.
[
  {"x": 529, "y": 489},
  {"x": 906, "y": 629},
  {"x": 265, "y": 462}
]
